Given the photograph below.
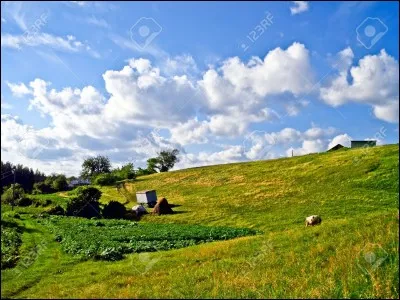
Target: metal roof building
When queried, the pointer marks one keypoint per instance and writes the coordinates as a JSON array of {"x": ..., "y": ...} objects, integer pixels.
[{"x": 363, "y": 144}]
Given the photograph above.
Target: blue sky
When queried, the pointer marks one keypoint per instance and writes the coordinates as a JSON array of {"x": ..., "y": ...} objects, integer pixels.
[{"x": 220, "y": 81}]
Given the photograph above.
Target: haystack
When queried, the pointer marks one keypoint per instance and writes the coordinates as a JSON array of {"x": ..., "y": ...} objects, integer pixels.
[{"x": 162, "y": 207}]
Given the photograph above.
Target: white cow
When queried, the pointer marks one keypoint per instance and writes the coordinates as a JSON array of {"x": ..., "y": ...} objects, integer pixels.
[{"x": 313, "y": 220}]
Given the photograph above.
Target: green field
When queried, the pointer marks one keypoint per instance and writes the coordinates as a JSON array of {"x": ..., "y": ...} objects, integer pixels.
[{"x": 352, "y": 254}]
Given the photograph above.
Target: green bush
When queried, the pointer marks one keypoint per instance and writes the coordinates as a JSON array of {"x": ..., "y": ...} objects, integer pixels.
[
  {"x": 56, "y": 210},
  {"x": 142, "y": 172},
  {"x": 125, "y": 172},
  {"x": 10, "y": 242},
  {"x": 114, "y": 210},
  {"x": 42, "y": 188},
  {"x": 106, "y": 179},
  {"x": 86, "y": 204},
  {"x": 24, "y": 201},
  {"x": 60, "y": 183},
  {"x": 7, "y": 196},
  {"x": 76, "y": 191}
]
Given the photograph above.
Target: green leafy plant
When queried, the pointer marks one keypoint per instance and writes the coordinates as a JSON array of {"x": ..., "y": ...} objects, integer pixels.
[
  {"x": 10, "y": 242},
  {"x": 114, "y": 238}
]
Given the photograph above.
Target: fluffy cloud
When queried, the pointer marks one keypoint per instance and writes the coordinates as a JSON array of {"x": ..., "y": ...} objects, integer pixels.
[
  {"x": 139, "y": 86},
  {"x": 73, "y": 111},
  {"x": 299, "y": 7},
  {"x": 18, "y": 89},
  {"x": 343, "y": 139},
  {"x": 4, "y": 104},
  {"x": 308, "y": 146},
  {"x": 374, "y": 81},
  {"x": 181, "y": 65},
  {"x": 229, "y": 125},
  {"x": 261, "y": 145},
  {"x": 229, "y": 154},
  {"x": 280, "y": 71}
]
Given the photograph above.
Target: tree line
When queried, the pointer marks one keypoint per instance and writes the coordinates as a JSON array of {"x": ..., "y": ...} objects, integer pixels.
[
  {"x": 24, "y": 176},
  {"x": 97, "y": 169}
]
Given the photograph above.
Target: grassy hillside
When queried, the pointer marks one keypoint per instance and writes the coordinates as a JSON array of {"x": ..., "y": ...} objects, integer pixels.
[{"x": 353, "y": 253}]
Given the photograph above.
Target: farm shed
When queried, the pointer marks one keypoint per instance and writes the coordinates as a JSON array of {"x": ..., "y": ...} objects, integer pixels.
[
  {"x": 78, "y": 182},
  {"x": 362, "y": 144},
  {"x": 337, "y": 147},
  {"x": 148, "y": 197}
]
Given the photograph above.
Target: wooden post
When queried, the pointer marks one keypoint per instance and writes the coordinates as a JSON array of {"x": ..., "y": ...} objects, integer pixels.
[{"x": 12, "y": 203}]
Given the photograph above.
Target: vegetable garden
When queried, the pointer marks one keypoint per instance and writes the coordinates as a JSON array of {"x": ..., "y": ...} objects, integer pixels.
[{"x": 110, "y": 239}]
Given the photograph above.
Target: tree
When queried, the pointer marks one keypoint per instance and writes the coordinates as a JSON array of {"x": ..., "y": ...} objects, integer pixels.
[
  {"x": 125, "y": 172},
  {"x": 60, "y": 183},
  {"x": 152, "y": 165},
  {"x": 165, "y": 160},
  {"x": 23, "y": 175},
  {"x": 86, "y": 204},
  {"x": 93, "y": 166},
  {"x": 105, "y": 179}
]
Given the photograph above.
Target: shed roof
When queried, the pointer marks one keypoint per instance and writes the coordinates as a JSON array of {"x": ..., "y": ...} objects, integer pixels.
[
  {"x": 337, "y": 147},
  {"x": 145, "y": 191}
]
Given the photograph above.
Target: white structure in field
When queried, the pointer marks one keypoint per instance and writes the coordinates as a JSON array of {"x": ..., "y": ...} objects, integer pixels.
[
  {"x": 139, "y": 210},
  {"x": 78, "y": 182},
  {"x": 147, "y": 197}
]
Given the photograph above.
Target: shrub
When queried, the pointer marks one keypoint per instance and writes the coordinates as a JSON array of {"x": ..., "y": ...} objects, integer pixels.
[
  {"x": 24, "y": 201},
  {"x": 7, "y": 196},
  {"x": 86, "y": 204},
  {"x": 125, "y": 172},
  {"x": 130, "y": 215},
  {"x": 60, "y": 183},
  {"x": 56, "y": 210},
  {"x": 10, "y": 242},
  {"x": 42, "y": 188},
  {"x": 106, "y": 179},
  {"x": 114, "y": 210},
  {"x": 76, "y": 191},
  {"x": 142, "y": 172}
]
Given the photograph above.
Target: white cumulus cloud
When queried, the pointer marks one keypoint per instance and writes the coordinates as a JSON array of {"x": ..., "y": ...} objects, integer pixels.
[
  {"x": 299, "y": 7},
  {"x": 374, "y": 81}
]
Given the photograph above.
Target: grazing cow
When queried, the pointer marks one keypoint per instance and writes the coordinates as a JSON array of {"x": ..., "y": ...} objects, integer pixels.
[{"x": 313, "y": 220}]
